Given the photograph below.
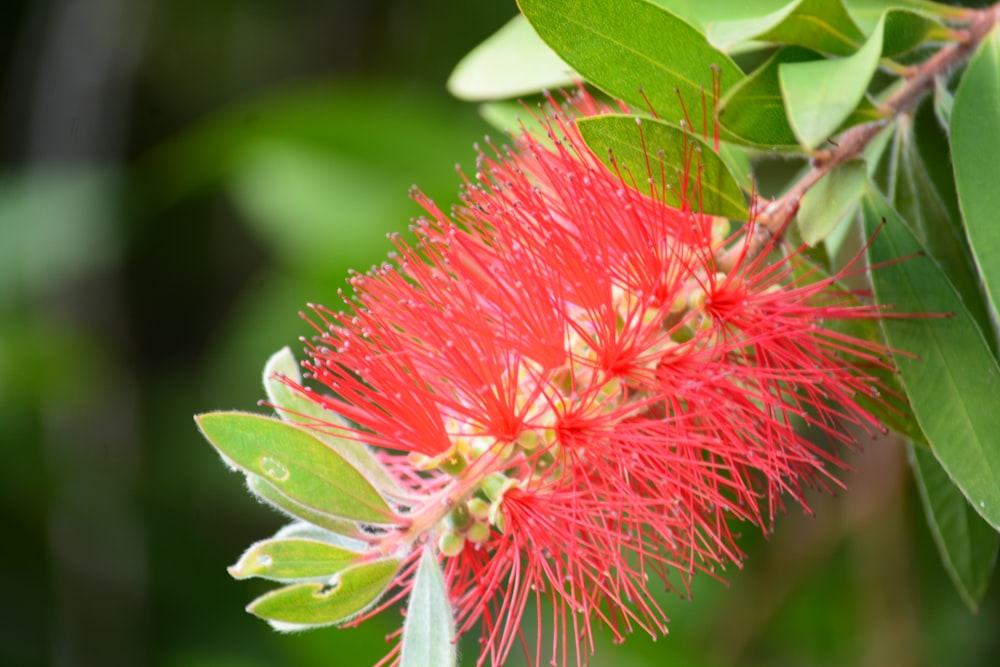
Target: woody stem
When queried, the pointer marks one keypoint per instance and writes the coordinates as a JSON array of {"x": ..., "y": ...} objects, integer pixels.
[{"x": 920, "y": 80}]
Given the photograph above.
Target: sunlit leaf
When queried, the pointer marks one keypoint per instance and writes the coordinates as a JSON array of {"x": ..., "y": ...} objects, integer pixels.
[
  {"x": 867, "y": 13},
  {"x": 975, "y": 144},
  {"x": 351, "y": 591},
  {"x": 633, "y": 141},
  {"x": 512, "y": 62},
  {"x": 625, "y": 47},
  {"x": 429, "y": 630},
  {"x": 952, "y": 383},
  {"x": 967, "y": 544},
  {"x": 296, "y": 463},
  {"x": 292, "y": 559},
  {"x": 821, "y": 25},
  {"x": 820, "y": 95}
]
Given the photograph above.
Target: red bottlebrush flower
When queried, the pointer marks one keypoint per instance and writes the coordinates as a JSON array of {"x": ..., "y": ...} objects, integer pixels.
[{"x": 582, "y": 396}]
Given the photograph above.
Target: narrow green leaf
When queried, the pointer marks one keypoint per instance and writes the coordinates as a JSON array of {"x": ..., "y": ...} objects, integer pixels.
[
  {"x": 633, "y": 140},
  {"x": 821, "y": 25},
  {"x": 832, "y": 202},
  {"x": 270, "y": 494},
  {"x": 625, "y": 47},
  {"x": 975, "y": 147},
  {"x": 944, "y": 102},
  {"x": 954, "y": 382},
  {"x": 292, "y": 559},
  {"x": 307, "y": 531},
  {"x": 429, "y": 630},
  {"x": 294, "y": 407},
  {"x": 513, "y": 61},
  {"x": 967, "y": 544},
  {"x": 296, "y": 463},
  {"x": 351, "y": 591},
  {"x": 820, "y": 95}
]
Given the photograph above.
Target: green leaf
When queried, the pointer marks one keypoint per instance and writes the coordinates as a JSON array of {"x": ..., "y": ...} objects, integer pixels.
[
  {"x": 867, "y": 13},
  {"x": 821, "y": 25},
  {"x": 967, "y": 544},
  {"x": 913, "y": 193},
  {"x": 754, "y": 109},
  {"x": 944, "y": 102},
  {"x": 292, "y": 559},
  {"x": 294, "y": 407},
  {"x": 513, "y": 61},
  {"x": 975, "y": 146},
  {"x": 832, "y": 201},
  {"x": 738, "y": 163},
  {"x": 296, "y": 462},
  {"x": 820, "y": 95},
  {"x": 954, "y": 382},
  {"x": 891, "y": 407},
  {"x": 351, "y": 591},
  {"x": 307, "y": 531},
  {"x": 429, "y": 630},
  {"x": 633, "y": 140},
  {"x": 625, "y": 47},
  {"x": 270, "y": 494},
  {"x": 905, "y": 30}
]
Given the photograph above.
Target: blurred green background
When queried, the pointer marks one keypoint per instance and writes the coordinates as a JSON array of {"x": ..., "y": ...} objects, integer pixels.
[{"x": 178, "y": 179}]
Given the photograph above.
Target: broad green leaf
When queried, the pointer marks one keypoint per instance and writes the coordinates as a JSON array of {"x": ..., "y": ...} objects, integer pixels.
[
  {"x": 738, "y": 163},
  {"x": 702, "y": 14},
  {"x": 513, "y": 61},
  {"x": 954, "y": 382},
  {"x": 821, "y": 25},
  {"x": 270, "y": 494},
  {"x": 967, "y": 544},
  {"x": 904, "y": 178},
  {"x": 350, "y": 592},
  {"x": 975, "y": 147},
  {"x": 754, "y": 109},
  {"x": 820, "y": 95},
  {"x": 626, "y": 47},
  {"x": 294, "y": 407},
  {"x": 832, "y": 201},
  {"x": 296, "y": 462},
  {"x": 292, "y": 559},
  {"x": 905, "y": 30},
  {"x": 633, "y": 140},
  {"x": 867, "y": 13},
  {"x": 429, "y": 630}
]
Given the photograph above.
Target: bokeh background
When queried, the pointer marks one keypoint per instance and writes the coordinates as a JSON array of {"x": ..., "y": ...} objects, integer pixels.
[{"x": 178, "y": 178}]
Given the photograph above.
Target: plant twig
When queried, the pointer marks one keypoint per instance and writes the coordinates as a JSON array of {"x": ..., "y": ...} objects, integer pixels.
[{"x": 772, "y": 218}]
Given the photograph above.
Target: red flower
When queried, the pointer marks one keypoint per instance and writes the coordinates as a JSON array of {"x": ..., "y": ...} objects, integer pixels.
[{"x": 594, "y": 400}]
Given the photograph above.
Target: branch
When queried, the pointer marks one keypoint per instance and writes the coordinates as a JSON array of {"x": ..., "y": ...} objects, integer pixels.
[{"x": 771, "y": 221}]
